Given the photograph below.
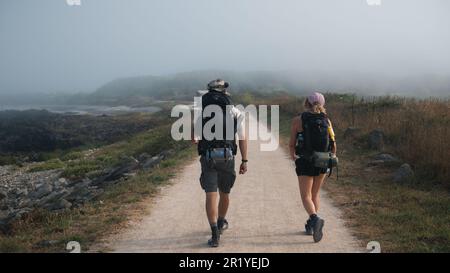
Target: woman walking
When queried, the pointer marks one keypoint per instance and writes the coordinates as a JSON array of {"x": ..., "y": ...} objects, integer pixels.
[{"x": 311, "y": 131}]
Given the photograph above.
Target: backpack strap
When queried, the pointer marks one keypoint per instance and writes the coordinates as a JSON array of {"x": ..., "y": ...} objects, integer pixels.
[{"x": 306, "y": 133}]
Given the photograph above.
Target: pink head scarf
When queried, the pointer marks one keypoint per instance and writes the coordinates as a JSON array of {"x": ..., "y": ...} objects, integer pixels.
[{"x": 316, "y": 98}]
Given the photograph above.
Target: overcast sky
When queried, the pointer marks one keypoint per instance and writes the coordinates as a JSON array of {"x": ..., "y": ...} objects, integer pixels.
[{"x": 49, "y": 46}]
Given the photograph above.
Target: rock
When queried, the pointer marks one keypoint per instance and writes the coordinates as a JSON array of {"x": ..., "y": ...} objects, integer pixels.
[
  {"x": 78, "y": 195},
  {"x": 152, "y": 162},
  {"x": 61, "y": 182},
  {"x": 119, "y": 172},
  {"x": 80, "y": 183},
  {"x": 376, "y": 163},
  {"x": 52, "y": 197},
  {"x": 25, "y": 203},
  {"x": 3, "y": 194},
  {"x": 376, "y": 139},
  {"x": 19, "y": 192},
  {"x": 59, "y": 204},
  {"x": 15, "y": 215},
  {"x": 385, "y": 157},
  {"x": 403, "y": 174},
  {"x": 5, "y": 227},
  {"x": 46, "y": 243},
  {"x": 351, "y": 132},
  {"x": 41, "y": 191},
  {"x": 143, "y": 157},
  {"x": 4, "y": 214},
  {"x": 384, "y": 160}
]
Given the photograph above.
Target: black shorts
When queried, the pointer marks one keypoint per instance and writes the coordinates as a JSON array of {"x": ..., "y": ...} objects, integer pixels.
[
  {"x": 219, "y": 175},
  {"x": 304, "y": 167}
]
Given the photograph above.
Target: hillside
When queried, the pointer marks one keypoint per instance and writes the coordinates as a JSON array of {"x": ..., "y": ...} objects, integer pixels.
[{"x": 182, "y": 86}]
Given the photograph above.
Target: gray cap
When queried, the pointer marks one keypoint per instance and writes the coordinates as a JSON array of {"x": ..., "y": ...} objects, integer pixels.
[{"x": 218, "y": 85}]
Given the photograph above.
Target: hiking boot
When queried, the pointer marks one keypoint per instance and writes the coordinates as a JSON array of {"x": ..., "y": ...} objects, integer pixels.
[
  {"x": 214, "y": 241},
  {"x": 308, "y": 227},
  {"x": 215, "y": 238},
  {"x": 317, "y": 226},
  {"x": 222, "y": 224}
]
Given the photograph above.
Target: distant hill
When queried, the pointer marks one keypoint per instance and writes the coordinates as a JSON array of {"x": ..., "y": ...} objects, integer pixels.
[
  {"x": 144, "y": 90},
  {"x": 184, "y": 85}
]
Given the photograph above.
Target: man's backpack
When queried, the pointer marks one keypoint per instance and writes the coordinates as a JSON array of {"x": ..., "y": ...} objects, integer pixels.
[{"x": 222, "y": 100}]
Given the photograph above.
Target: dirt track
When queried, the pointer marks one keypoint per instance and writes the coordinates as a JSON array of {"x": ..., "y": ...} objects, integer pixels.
[{"x": 265, "y": 214}]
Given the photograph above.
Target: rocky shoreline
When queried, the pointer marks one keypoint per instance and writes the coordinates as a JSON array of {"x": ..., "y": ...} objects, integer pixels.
[{"x": 22, "y": 191}]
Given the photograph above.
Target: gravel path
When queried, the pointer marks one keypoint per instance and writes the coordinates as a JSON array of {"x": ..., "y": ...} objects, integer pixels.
[{"x": 265, "y": 214}]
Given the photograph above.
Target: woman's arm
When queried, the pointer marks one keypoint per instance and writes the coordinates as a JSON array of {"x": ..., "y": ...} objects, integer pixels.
[{"x": 295, "y": 126}]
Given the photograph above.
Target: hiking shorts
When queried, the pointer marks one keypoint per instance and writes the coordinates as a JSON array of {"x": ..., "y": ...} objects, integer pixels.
[
  {"x": 304, "y": 167},
  {"x": 217, "y": 175}
]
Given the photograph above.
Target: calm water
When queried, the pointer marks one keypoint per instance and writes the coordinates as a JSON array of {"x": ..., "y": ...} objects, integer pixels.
[{"x": 83, "y": 109}]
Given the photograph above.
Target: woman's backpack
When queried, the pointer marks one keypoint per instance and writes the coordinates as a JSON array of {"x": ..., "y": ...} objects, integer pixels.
[
  {"x": 315, "y": 136},
  {"x": 313, "y": 143}
]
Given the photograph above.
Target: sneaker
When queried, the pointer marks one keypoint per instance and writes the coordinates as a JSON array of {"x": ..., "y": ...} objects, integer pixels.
[
  {"x": 222, "y": 225},
  {"x": 308, "y": 228},
  {"x": 317, "y": 226}
]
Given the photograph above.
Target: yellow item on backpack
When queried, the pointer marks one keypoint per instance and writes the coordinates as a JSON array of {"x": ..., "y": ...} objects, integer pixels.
[{"x": 331, "y": 132}]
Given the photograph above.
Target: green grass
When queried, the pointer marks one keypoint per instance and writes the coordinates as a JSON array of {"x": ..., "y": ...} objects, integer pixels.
[
  {"x": 110, "y": 211},
  {"x": 81, "y": 168},
  {"x": 51, "y": 164}
]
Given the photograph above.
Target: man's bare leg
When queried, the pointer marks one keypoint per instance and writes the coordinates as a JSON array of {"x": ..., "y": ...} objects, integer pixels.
[
  {"x": 211, "y": 207},
  {"x": 224, "y": 202},
  {"x": 212, "y": 213}
]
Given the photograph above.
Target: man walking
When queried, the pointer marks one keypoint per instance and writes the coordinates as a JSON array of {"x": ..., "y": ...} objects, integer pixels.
[{"x": 217, "y": 152}]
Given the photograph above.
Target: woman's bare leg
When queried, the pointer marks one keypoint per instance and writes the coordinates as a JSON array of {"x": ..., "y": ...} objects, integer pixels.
[
  {"x": 317, "y": 184},
  {"x": 305, "y": 183}
]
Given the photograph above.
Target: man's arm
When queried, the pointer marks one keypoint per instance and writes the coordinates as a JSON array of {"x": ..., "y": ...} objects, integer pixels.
[
  {"x": 243, "y": 149},
  {"x": 243, "y": 140}
]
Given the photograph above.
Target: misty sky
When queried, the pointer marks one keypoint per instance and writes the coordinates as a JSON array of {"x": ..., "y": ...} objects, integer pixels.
[{"x": 49, "y": 46}]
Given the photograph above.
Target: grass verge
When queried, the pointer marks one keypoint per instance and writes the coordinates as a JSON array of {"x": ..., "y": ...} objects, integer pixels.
[
  {"x": 43, "y": 231},
  {"x": 412, "y": 217}
]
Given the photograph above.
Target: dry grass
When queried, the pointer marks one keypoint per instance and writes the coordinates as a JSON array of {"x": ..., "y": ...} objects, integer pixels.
[
  {"x": 417, "y": 131},
  {"x": 411, "y": 217}
]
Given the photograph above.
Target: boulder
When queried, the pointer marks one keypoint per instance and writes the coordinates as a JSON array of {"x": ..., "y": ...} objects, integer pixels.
[
  {"x": 5, "y": 227},
  {"x": 41, "y": 191},
  {"x": 3, "y": 194},
  {"x": 143, "y": 157},
  {"x": 4, "y": 214},
  {"x": 118, "y": 172},
  {"x": 384, "y": 160},
  {"x": 46, "y": 243},
  {"x": 59, "y": 204},
  {"x": 17, "y": 214},
  {"x": 403, "y": 174},
  {"x": 385, "y": 157},
  {"x": 376, "y": 139},
  {"x": 52, "y": 197},
  {"x": 152, "y": 162}
]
